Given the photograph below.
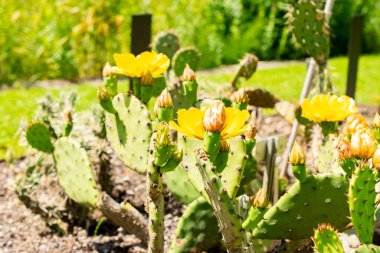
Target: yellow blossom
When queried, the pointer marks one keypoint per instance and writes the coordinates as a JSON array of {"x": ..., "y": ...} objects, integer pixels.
[
  {"x": 135, "y": 66},
  {"x": 355, "y": 123},
  {"x": 191, "y": 122},
  {"x": 328, "y": 108},
  {"x": 296, "y": 156},
  {"x": 363, "y": 144}
]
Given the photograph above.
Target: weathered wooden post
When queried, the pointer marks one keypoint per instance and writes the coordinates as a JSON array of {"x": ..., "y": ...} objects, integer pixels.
[
  {"x": 140, "y": 35},
  {"x": 354, "y": 48}
]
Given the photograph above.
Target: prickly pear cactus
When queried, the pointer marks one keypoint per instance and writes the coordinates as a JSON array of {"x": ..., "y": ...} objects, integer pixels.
[
  {"x": 187, "y": 55},
  {"x": 361, "y": 199},
  {"x": 261, "y": 98},
  {"x": 230, "y": 174},
  {"x": 129, "y": 131},
  {"x": 328, "y": 155},
  {"x": 320, "y": 199},
  {"x": 74, "y": 172},
  {"x": 197, "y": 230},
  {"x": 310, "y": 28},
  {"x": 180, "y": 186},
  {"x": 368, "y": 248},
  {"x": 326, "y": 240},
  {"x": 166, "y": 43},
  {"x": 38, "y": 136}
]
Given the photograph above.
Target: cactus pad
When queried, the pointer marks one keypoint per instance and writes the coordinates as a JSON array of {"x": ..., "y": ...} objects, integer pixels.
[
  {"x": 166, "y": 43},
  {"x": 197, "y": 230},
  {"x": 180, "y": 186},
  {"x": 368, "y": 248},
  {"x": 361, "y": 199},
  {"x": 320, "y": 199},
  {"x": 310, "y": 28},
  {"x": 38, "y": 136},
  {"x": 326, "y": 240},
  {"x": 230, "y": 175},
  {"x": 187, "y": 55},
  {"x": 129, "y": 131},
  {"x": 74, "y": 172},
  {"x": 261, "y": 98}
]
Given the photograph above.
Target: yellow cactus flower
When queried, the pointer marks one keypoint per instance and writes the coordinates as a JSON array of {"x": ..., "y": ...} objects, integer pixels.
[
  {"x": 363, "y": 144},
  {"x": 355, "y": 123},
  {"x": 135, "y": 66},
  {"x": 328, "y": 108},
  {"x": 191, "y": 122}
]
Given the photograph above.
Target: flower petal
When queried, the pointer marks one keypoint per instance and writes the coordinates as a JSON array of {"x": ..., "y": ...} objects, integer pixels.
[
  {"x": 235, "y": 120},
  {"x": 192, "y": 121}
]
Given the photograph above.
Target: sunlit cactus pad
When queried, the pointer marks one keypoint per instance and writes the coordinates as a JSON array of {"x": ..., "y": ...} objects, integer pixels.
[
  {"x": 74, "y": 172},
  {"x": 187, "y": 55},
  {"x": 310, "y": 28},
  {"x": 320, "y": 199},
  {"x": 129, "y": 131},
  {"x": 38, "y": 136}
]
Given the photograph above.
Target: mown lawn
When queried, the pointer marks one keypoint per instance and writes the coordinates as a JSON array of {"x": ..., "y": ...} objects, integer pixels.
[{"x": 286, "y": 82}]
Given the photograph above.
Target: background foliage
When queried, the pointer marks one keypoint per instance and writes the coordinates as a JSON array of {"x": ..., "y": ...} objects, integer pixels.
[{"x": 68, "y": 39}]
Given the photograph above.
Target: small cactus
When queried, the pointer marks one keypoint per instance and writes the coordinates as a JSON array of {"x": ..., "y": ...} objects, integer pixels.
[
  {"x": 187, "y": 55},
  {"x": 39, "y": 137},
  {"x": 326, "y": 240},
  {"x": 166, "y": 43}
]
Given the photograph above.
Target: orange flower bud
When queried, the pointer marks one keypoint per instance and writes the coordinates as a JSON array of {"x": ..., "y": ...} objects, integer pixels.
[
  {"x": 67, "y": 117},
  {"x": 260, "y": 199},
  {"x": 376, "y": 121},
  {"x": 355, "y": 123},
  {"x": 214, "y": 117},
  {"x": 240, "y": 97},
  {"x": 363, "y": 144},
  {"x": 251, "y": 133},
  {"x": 163, "y": 101},
  {"x": 297, "y": 156},
  {"x": 376, "y": 159},
  {"x": 188, "y": 74},
  {"x": 146, "y": 78},
  {"x": 224, "y": 146},
  {"x": 344, "y": 147},
  {"x": 108, "y": 70}
]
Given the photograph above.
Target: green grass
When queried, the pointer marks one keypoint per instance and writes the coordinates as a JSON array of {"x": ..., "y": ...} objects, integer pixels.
[{"x": 286, "y": 82}]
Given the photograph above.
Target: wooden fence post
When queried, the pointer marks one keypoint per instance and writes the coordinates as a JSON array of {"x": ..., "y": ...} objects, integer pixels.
[{"x": 354, "y": 48}]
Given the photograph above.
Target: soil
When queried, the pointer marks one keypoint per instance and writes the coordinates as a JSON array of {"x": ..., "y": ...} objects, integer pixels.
[{"x": 23, "y": 231}]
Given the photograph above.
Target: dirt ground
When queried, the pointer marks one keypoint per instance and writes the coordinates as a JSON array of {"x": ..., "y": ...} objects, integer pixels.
[{"x": 23, "y": 231}]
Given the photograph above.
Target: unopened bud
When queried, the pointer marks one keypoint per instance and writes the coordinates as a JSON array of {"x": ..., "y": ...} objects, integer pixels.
[
  {"x": 188, "y": 74},
  {"x": 214, "y": 117},
  {"x": 355, "y": 123},
  {"x": 108, "y": 70},
  {"x": 363, "y": 144},
  {"x": 344, "y": 147},
  {"x": 376, "y": 121},
  {"x": 163, "y": 134},
  {"x": 376, "y": 159},
  {"x": 102, "y": 94},
  {"x": 224, "y": 146},
  {"x": 240, "y": 97},
  {"x": 67, "y": 117},
  {"x": 296, "y": 156},
  {"x": 146, "y": 78},
  {"x": 260, "y": 199},
  {"x": 248, "y": 65},
  {"x": 251, "y": 133}
]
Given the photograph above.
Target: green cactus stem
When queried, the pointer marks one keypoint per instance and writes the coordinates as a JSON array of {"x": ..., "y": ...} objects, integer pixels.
[
  {"x": 110, "y": 83},
  {"x": 212, "y": 144},
  {"x": 226, "y": 215},
  {"x": 361, "y": 199}
]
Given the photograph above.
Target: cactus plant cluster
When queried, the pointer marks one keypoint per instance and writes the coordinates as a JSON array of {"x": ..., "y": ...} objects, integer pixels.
[{"x": 204, "y": 151}]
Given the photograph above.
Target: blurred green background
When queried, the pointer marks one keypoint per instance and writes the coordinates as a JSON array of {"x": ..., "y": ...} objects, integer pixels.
[{"x": 67, "y": 39}]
